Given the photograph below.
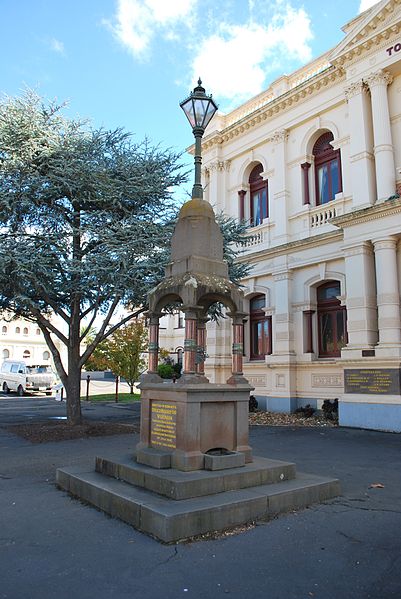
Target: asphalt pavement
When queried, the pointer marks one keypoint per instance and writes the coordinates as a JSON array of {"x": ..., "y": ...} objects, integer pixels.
[
  {"x": 52, "y": 546},
  {"x": 37, "y": 408}
]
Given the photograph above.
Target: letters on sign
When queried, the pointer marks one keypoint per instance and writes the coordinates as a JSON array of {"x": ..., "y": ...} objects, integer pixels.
[
  {"x": 163, "y": 429},
  {"x": 395, "y": 48}
]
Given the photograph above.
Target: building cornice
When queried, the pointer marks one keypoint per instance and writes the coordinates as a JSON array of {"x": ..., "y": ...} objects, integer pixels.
[
  {"x": 286, "y": 248},
  {"x": 327, "y": 78},
  {"x": 355, "y": 217}
]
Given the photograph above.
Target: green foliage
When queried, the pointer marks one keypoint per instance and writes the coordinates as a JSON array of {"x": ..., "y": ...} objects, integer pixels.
[
  {"x": 86, "y": 218},
  {"x": 85, "y": 222},
  {"x": 166, "y": 371},
  {"x": 122, "y": 352},
  {"x": 98, "y": 360}
]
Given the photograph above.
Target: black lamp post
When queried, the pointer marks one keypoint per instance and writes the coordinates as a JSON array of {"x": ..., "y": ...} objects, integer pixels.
[{"x": 199, "y": 109}]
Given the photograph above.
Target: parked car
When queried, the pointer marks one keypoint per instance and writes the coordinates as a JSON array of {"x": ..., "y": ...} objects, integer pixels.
[{"x": 16, "y": 375}]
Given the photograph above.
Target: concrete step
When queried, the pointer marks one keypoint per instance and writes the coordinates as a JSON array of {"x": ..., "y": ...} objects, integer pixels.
[
  {"x": 169, "y": 520},
  {"x": 179, "y": 485}
]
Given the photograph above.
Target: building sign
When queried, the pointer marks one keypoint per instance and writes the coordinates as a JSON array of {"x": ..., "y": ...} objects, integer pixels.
[
  {"x": 163, "y": 424},
  {"x": 376, "y": 381}
]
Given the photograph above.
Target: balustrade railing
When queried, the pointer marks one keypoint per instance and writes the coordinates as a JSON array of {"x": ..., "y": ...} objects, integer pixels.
[{"x": 322, "y": 217}]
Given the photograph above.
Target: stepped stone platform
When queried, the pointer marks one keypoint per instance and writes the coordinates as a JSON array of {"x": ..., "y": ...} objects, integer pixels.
[{"x": 172, "y": 504}]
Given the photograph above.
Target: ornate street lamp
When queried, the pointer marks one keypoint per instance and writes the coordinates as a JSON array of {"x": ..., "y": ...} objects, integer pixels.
[{"x": 199, "y": 109}]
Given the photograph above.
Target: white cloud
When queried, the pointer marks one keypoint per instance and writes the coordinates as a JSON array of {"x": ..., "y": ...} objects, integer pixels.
[
  {"x": 235, "y": 61},
  {"x": 57, "y": 46},
  {"x": 137, "y": 22},
  {"x": 365, "y": 4}
]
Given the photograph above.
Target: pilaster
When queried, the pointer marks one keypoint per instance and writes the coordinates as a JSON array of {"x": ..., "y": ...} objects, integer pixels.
[
  {"x": 388, "y": 297},
  {"x": 361, "y": 299},
  {"x": 278, "y": 192},
  {"x": 383, "y": 145},
  {"x": 361, "y": 138}
]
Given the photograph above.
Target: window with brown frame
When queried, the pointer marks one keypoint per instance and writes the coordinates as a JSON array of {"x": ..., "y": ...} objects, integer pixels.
[
  {"x": 258, "y": 196},
  {"x": 328, "y": 179},
  {"x": 260, "y": 329},
  {"x": 332, "y": 320}
]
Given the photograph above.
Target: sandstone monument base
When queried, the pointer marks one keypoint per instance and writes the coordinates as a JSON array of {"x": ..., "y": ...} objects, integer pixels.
[{"x": 170, "y": 504}]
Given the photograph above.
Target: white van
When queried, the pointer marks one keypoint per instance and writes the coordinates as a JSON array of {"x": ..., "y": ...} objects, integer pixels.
[{"x": 15, "y": 375}]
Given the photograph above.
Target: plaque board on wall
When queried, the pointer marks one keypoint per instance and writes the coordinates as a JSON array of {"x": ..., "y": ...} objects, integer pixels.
[
  {"x": 163, "y": 424},
  {"x": 373, "y": 381}
]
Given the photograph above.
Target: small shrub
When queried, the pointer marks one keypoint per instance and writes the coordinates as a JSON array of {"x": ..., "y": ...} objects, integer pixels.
[{"x": 166, "y": 371}]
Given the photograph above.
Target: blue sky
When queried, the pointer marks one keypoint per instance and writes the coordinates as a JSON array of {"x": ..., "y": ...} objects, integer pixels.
[{"x": 130, "y": 62}]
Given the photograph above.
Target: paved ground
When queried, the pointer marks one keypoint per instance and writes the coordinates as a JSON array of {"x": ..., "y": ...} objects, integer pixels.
[
  {"x": 19, "y": 410},
  {"x": 54, "y": 547}
]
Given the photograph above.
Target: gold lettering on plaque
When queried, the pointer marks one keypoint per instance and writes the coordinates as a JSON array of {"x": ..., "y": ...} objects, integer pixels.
[{"x": 163, "y": 425}]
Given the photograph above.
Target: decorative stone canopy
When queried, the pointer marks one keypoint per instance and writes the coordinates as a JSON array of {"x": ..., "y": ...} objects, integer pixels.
[{"x": 197, "y": 275}]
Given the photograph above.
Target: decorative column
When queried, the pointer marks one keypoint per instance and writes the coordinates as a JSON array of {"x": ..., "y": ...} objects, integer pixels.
[
  {"x": 361, "y": 299},
  {"x": 280, "y": 193},
  {"x": 241, "y": 204},
  {"x": 153, "y": 343},
  {"x": 237, "y": 376},
  {"x": 305, "y": 166},
  {"x": 284, "y": 331},
  {"x": 218, "y": 182},
  {"x": 201, "y": 346},
  {"x": 383, "y": 146},
  {"x": 361, "y": 151},
  {"x": 388, "y": 297},
  {"x": 308, "y": 314},
  {"x": 190, "y": 342}
]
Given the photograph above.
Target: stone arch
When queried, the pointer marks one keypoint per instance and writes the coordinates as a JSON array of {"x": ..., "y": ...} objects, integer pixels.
[
  {"x": 313, "y": 134},
  {"x": 311, "y": 284},
  {"x": 162, "y": 302},
  {"x": 211, "y": 298},
  {"x": 247, "y": 167},
  {"x": 251, "y": 291}
]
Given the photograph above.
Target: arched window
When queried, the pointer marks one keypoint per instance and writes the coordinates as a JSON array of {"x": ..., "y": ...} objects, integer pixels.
[
  {"x": 38, "y": 331},
  {"x": 332, "y": 320},
  {"x": 328, "y": 179},
  {"x": 4, "y": 330},
  {"x": 180, "y": 353},
  {"x": 260, "y": 325},
  {"x": 17, "y": 330},
  {"x": 46, "y": 355},
  {"x": 26, "y": 354},
  {"x": 25, "y": 331},
  {"x": 258, "y": 196},
  {"x": 6, "y": 354}
]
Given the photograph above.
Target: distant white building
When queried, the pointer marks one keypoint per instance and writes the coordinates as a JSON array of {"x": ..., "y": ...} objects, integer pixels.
[{"x": 23, "y": 340}]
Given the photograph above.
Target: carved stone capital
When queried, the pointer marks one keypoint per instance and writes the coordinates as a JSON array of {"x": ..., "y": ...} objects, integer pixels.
[
  {"x": 389, "y": 243},
  {"x": 280, "y": 136},
  {"x": 355, "y": 89},
  {"x": 379, "y": 78},
  {"x": 219, "y": 165}
]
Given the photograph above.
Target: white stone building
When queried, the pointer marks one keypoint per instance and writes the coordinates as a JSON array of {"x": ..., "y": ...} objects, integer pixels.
[
  {"x": 314, "y": 164},
  {"x": 23, "y": 340}
]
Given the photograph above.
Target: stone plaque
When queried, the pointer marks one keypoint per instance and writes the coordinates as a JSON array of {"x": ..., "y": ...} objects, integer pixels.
[
  {"x": 377, "y": 381},
  {"x": 163, "y": 424}
]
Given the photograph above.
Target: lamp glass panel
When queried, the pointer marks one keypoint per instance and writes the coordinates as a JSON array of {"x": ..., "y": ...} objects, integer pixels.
[
  {"x": 200, "y": 111},
  {"x": 188, "y": 108},
  {"x": 211, "y": 109}
]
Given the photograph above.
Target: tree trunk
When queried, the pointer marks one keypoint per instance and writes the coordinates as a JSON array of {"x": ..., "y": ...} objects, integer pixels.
[
  {"x": 73, "y": 383},
  {"x": 73, "y": 391},
  {"x": 131, "y": 389}
]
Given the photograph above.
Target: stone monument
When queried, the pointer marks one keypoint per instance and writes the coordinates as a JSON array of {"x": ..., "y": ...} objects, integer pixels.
[
  {"x": 192, "y": 425},
  {"x": 193, "y": 471}
]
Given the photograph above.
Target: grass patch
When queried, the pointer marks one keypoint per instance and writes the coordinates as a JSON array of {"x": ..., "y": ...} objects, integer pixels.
[{"x": 122, "y": 397}]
